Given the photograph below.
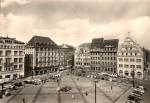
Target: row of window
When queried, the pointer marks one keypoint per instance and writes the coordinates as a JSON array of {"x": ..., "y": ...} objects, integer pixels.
[
  {"x": 103, "y": 58},
  {"x": 8, "y": 60},
  {"x": 9, "y": 53},
  {"x": 11, "y": 47},
  {"x": 129, "y": 54},
  {"x": 97, "y": 53},
  {"x": 80, "y": 63},
  {"x": 46, "y": 54},
  {"x": 46, "y": 49},
  {"x": 15, "y": 67},
  {"x": 130, "y": 66},
  {"x": 103, "y": 69},
  {"x": 105, "y": 49},
  {"x": 139, "y": 74},
  {"x": 103, "y": 63},
  {"x": 129, "y": 60}
]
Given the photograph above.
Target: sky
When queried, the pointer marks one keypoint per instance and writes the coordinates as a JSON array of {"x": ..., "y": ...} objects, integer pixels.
[{"x": 76, "y": 21}]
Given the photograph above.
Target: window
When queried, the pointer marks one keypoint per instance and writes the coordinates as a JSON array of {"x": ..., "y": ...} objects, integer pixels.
[
  {"x": 20, "y": 60},
  {"x": 20, "y": 66},
  {"x": 15, "y": 52},
  {"x": 0, "y": 68},
  {"x": 15, "y": 67},
  {"x": 126, "y": 66},
  {"x": 132, "y": 60},
  {"x": 120, "y": 59},
  {"x": 15, "y": 60},
  {"x": 120, "y": 65},
  {"x": 126, "y": 59},
  {"x": 138, "y": 66},
  {"x": 1, "y": 77},
  {"x": 8, "y": 53},
  {"x": 1, "y": 53},
  {"x": 132, "y": 66},
  {"x": 138, "y": 60},
  {"x": 7, "y": 76},
  {"x": 1, "y": 60},
  {"x": 120, "y": 72},
  {"x": 20, "y": 52},
  {"x": 139, "y": 74},
  {"x": 126, "y": 73}
]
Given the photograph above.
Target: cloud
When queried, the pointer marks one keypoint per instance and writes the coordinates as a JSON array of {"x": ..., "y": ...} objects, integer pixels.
[
  {"x": 75, "y": 22},
  {"x": 6, "y": 3}
]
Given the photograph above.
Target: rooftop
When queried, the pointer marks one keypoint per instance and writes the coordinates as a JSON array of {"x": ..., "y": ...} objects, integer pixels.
[{"x": 41, "y": 41}]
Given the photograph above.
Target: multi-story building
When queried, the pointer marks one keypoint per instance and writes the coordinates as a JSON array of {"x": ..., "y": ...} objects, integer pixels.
[
  {"x": 103, "y": 55},
  {"x": 44, "y": 55},
  {"x": 66, "y": 55},
  {"x": 130, "y": 59},
  {"x": 82, "y": 56},
  {"x": 11, "y": 58}
]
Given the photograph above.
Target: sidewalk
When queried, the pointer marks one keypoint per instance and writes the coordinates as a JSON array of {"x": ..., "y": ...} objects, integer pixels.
[{"x": 123, "y": 97}]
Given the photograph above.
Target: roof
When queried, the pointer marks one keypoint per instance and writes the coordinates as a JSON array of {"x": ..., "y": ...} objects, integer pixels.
[
  {"x": 97, "y": 43},
  {"x": 14, "y": 39},
  {"x": 111, "y": 42},
  {"x": 66, "y": 46},
  {"x": 85, "y": 45},
  {"x": 41, "y": 41},
  {"x": 101, "y": 43}
]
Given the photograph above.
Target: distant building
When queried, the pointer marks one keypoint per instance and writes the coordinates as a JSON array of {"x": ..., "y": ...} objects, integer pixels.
[
  {"x": 11, "y": 58},
  {"x": 66, "y": 55},
  {"x": 130, "y": 58},
  {"x": 104, "y": 55},
  {"x": 44, "y": 54},
  {"x": 82, "y": 56}
]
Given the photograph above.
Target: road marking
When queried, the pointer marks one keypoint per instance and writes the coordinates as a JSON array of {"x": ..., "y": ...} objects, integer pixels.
[
  {"x": 37, "y": 94},
  {"x": 14, "y": 95},
  {"x": 77, "y": 87}
]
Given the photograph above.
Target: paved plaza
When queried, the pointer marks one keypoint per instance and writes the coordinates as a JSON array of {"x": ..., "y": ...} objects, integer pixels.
[{"x": 47, "y": 92}]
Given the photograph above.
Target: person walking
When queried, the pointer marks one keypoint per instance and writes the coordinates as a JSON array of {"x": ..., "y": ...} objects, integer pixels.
[{"x": 23, "y": 100}]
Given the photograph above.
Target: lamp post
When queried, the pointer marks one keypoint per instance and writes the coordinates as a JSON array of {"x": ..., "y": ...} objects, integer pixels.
[
  {"x": 95, "y": 81},
  {"x": 58, "y": 90}
]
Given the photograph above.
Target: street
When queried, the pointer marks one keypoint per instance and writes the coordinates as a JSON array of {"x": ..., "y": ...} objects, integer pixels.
[{"x": 107, "y": 92}]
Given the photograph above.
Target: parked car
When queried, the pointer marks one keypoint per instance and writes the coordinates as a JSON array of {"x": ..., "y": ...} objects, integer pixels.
[
  {"x": 137, "y": 92},
  {"x": 133, "y": 99},
  {"x": 18, "y": 84},
  {"x": 140, "y": 90},
  {"x": 65, "y": 89}
]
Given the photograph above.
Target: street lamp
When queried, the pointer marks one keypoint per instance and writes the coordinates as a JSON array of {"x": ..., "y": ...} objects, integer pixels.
[
  {"x": 58, "y": 90},
  {"x": 95, "y": 81},
  {"x": 133, "y": 75}
]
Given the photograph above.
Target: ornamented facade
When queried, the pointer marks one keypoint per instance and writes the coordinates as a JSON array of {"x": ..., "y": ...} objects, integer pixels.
[
  {"x": 82, "y": 56},
  {"x": 130, "y": 58},
  {"x": 66, "y": 55}
]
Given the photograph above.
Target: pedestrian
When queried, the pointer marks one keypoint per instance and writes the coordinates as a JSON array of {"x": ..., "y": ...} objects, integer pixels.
[
  {"x": 23, "y": 100},
  {"x": 111, "y": 87},
  {"x": 86, "y": 93},
  {"x": 73, "y": 97}
]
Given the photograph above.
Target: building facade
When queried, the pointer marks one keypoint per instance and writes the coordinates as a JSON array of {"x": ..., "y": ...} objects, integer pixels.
[
  {"x": 66, "y": 55},
  {"x": 103, "y": 55},
  {"x": 11, "y": 58},
  {"x": 44, "y": 54},
  {"x": 82, "y": 56},
  {"x": 130, "y": 59}
]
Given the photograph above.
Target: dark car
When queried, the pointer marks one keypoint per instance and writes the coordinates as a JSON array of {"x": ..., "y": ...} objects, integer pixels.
[
  {"x": 134, "y": 98},
  {"x": 65, "y": 89},
  {"x": 18, "y": 84}
]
